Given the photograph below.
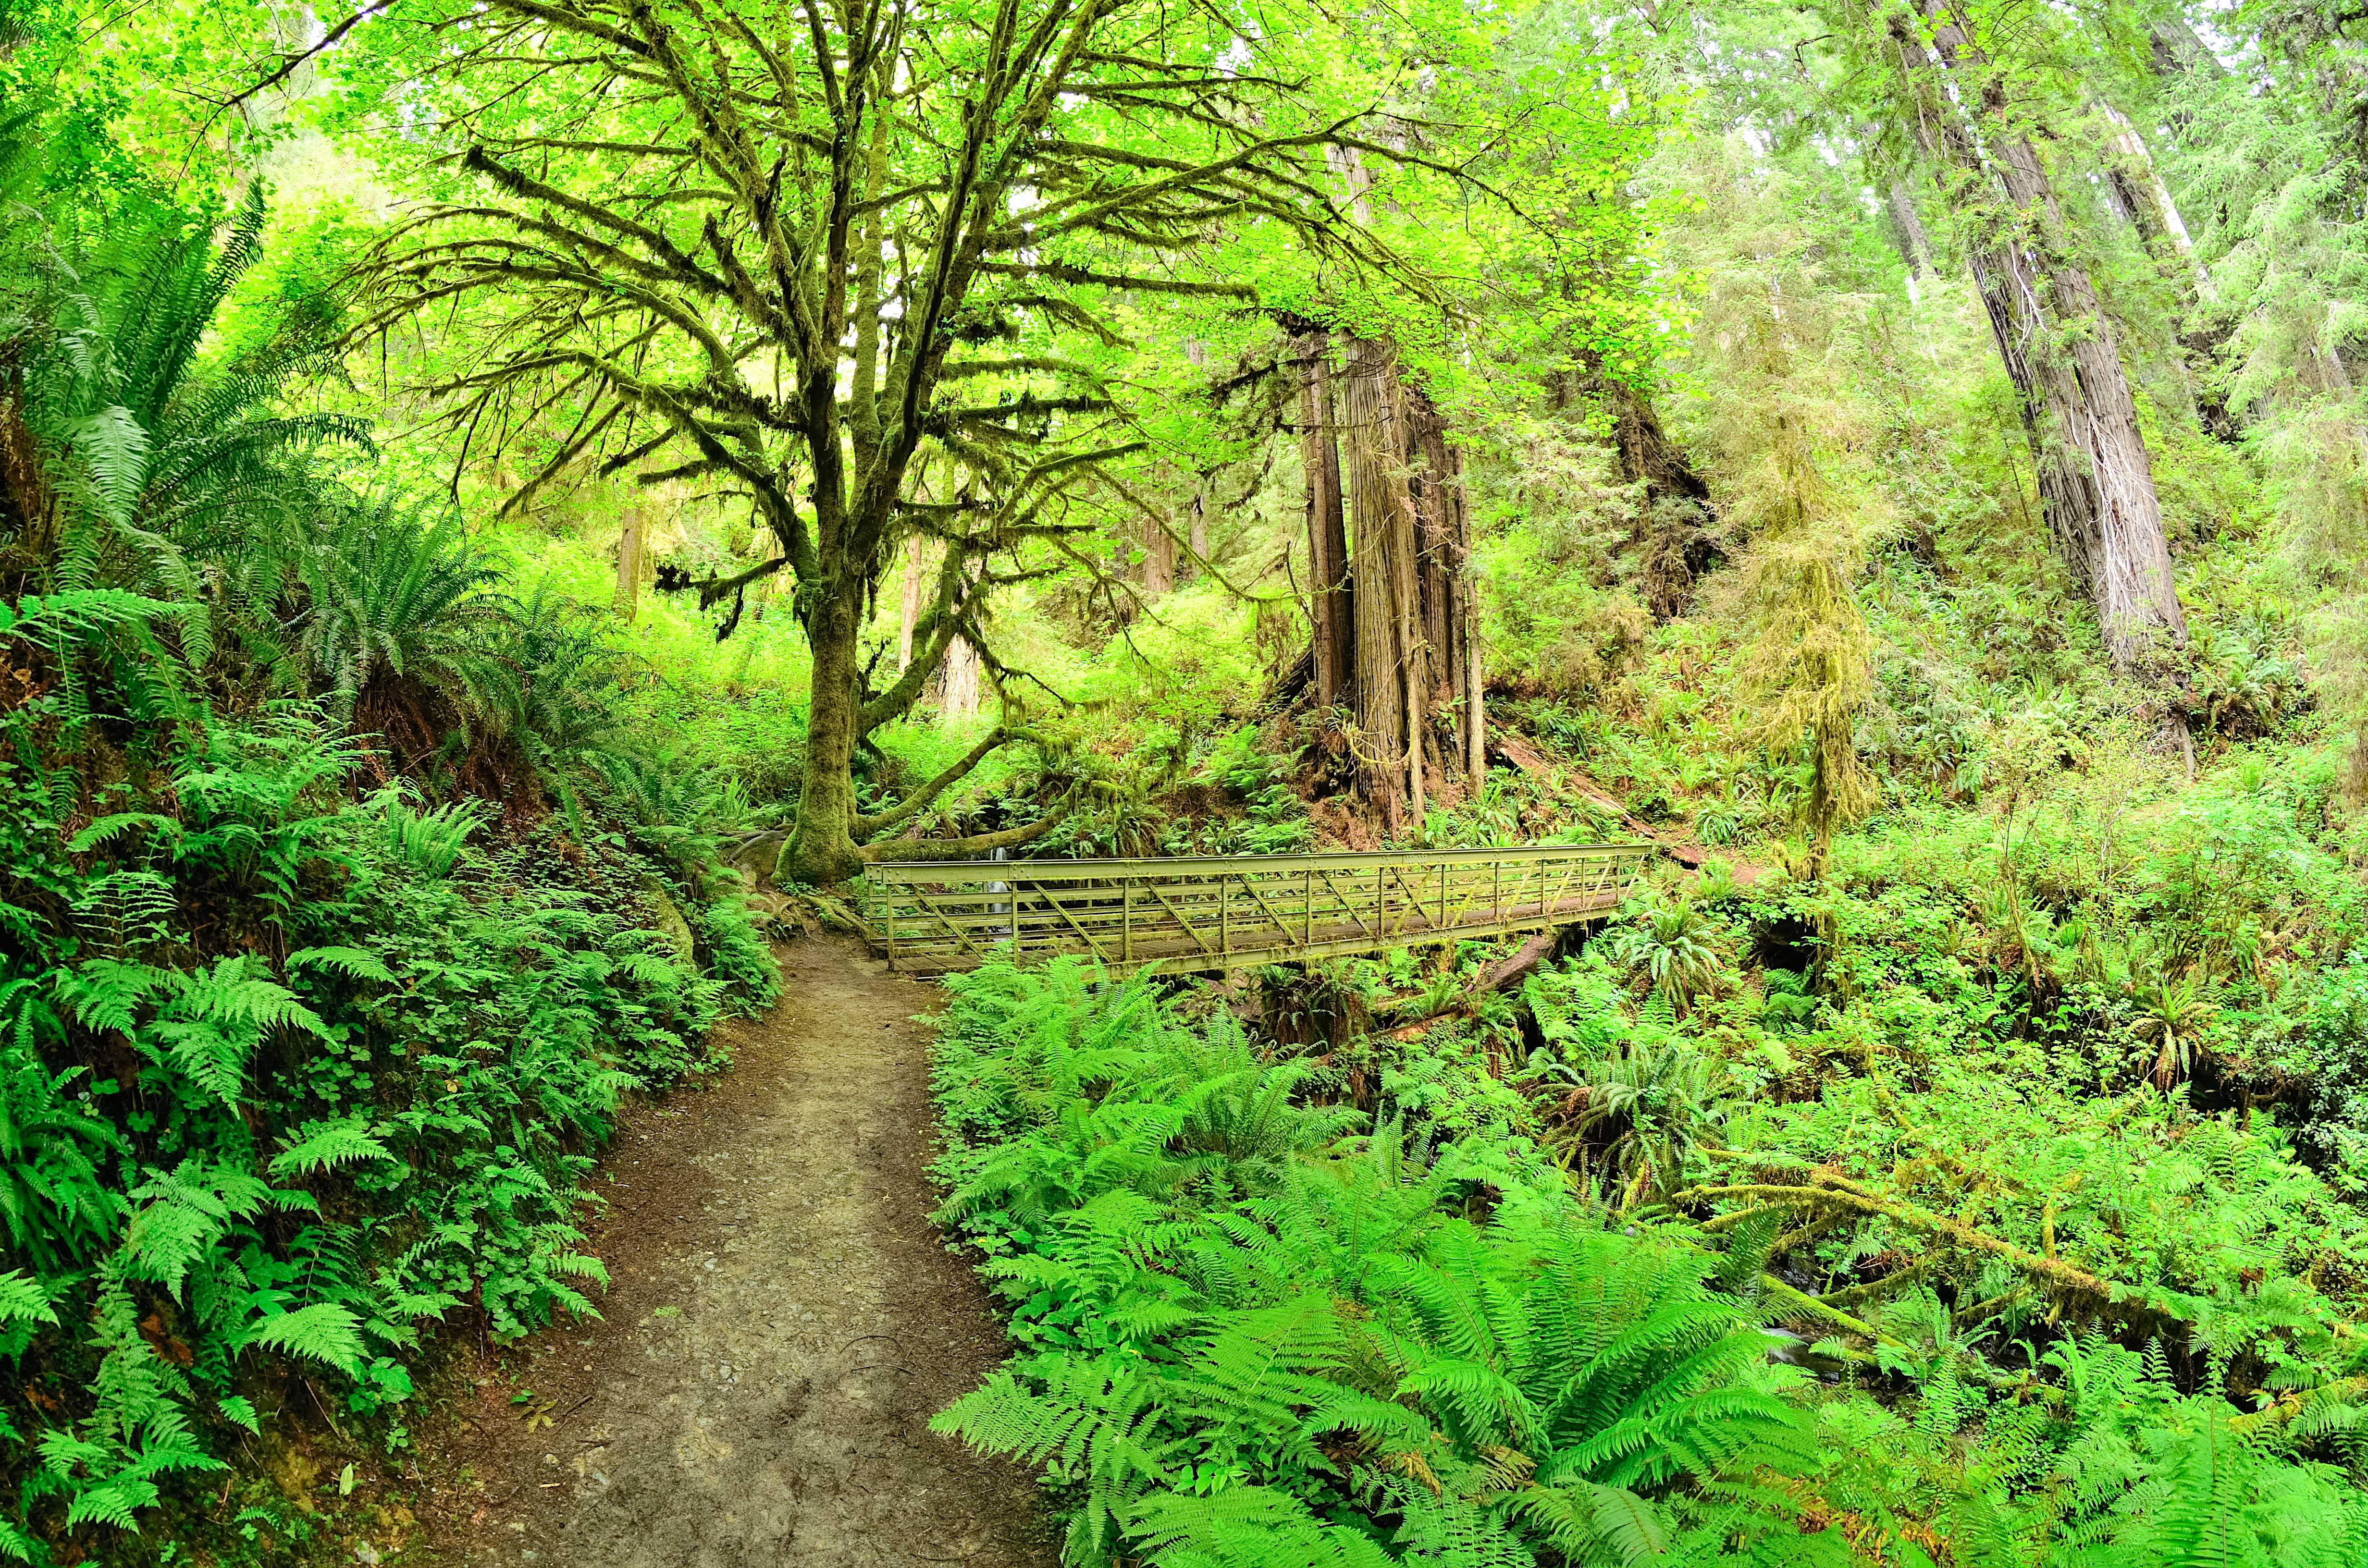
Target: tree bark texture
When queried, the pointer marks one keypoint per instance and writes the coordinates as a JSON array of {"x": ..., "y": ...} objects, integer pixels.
[
  {"x": 962, "y": 680},
  {"x": 822, "y": 849},
  {"x": 1675, "y": 519},
  {"x": 2138, "y": 187},
  {"x": 1158, "y": 558},
  {"x": 627, "y": 600},
  {"x": 2096, "y": 480},
  {"x": 1414, "y": 613},
  {"x": 1389, "y": 660},
  {"x": 908, "y": 614},
  {"x": 1329, "y": 599},
  {"x": 1434, "y": 483},
  {"x": 1908, "y": 229}
]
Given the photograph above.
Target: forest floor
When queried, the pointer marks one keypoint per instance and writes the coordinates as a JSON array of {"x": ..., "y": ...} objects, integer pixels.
[{"x": 782, "y": 1320}]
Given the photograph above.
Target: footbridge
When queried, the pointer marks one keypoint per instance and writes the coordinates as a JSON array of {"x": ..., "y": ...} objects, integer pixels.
[{"x": 1200, "y": 914}]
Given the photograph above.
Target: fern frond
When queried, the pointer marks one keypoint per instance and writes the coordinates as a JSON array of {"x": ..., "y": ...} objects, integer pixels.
[
  {"x": 324, "y": 1144},
  {"x": 322, "y": 1331}
]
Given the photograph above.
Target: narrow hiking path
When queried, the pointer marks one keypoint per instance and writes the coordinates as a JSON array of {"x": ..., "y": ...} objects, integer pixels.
[{"x": 781, "y": 1322}]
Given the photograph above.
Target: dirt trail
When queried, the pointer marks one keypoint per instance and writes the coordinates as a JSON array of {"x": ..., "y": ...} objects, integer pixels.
[{"x": 783, "y": 1321}]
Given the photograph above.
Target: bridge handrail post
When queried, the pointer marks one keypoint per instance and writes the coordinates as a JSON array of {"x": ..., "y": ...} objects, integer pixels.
[{"x": 1126, "y": 920}]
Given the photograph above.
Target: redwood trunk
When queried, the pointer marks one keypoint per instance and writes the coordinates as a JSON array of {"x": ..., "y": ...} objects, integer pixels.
[
  {"x": 1389, "y": 679},
  {"x": 1674, "y": 516},
  {"x": 1908, "y": 229},
  {"x": 627, "y": 600},
  {"x": 1158, "y": 558},
  {"x": 909, "y": 615},
  {"x": 1444, "y": 567},
  {"x": 2096, "y": 480},
  {"x": 1330, "y": 605}
]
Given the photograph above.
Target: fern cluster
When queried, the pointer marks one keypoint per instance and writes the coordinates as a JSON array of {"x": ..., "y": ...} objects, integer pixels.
[
  {"x": 285, "y": 1076},
  {"x": 307, "y": 1040},
  {"x": 1253, "y": 1329},
  {"x": 1256, "y": 1329}
]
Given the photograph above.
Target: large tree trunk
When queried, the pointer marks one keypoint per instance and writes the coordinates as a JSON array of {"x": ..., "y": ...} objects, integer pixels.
[
  {"x": 1436, "y": 486},
  {"x": 961, "y": 681},
  {"x": 2096, "y": 480},
  {"x": 1674, "y": 521},
  {"x": 1415, "y": 653},
  {"x": 1196, "y": 527},
  {"x": 627, "y": 598},
  {"x": 2138, "y": 187},
  {"x": 1908, "y": 229},
  {"x": 1390, "y": 682},
  {"x": 1158, "y": 558},
  {"x": 822, "y": 850},
  {"x": 2177, "y": 47},
  {"x": 909, "y": 615},
  {"x": 1330, "y": 605}
]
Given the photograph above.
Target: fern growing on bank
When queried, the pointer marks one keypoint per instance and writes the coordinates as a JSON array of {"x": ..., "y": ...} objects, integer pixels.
[{"x": 284, "y": 1076}]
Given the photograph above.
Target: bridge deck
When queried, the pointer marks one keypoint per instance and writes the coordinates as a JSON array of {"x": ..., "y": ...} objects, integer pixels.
[{"x": 1202, "y": 913}]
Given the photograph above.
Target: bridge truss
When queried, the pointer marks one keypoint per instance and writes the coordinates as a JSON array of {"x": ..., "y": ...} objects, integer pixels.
[{"x": 1197, "y": 914}]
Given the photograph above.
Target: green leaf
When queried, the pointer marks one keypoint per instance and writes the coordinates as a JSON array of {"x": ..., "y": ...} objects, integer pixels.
[
  {"x": 324, "y": 1144},
  {"x": 22, "y": 1300},
  {"x": 322, "y": 1331},
  {"x": 354, "y": 962}
]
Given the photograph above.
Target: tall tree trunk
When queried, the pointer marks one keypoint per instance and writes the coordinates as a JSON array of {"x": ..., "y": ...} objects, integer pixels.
[
  {"x": 962, "y": 674},
  {"x": 1158, "y": 558},
  {"x": 1443, "y": 517},
  {"x": 1196, "y": 528},
  {"x": 2177, "y": 47},
  {"x": 1908, "y": 229},
  {"x": 2096, "y": 480},
  {"x": 1327, "y": 531},
  {"x": 627, "y": 598},
  {"x": 909, "y": 615},
  {"x": 1389, "y": 684},
  {"x": 821, "y": 850},
  {"x": 1476, "y": 685},
  {"x": 1674, "y": 521},
  {"x": 2138, "y": 187},
  {"x": 960, "y": 691}
]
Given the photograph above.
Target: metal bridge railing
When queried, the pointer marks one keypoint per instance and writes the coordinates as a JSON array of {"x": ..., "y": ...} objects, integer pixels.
[{"x": 1199, "y": 913}]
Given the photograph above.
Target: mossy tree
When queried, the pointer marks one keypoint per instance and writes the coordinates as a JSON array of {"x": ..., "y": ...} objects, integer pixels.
[{"x": 783, "y": 251}]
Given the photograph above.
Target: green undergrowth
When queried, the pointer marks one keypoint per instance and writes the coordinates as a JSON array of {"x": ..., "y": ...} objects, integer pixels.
[
  {"x": 290, "y": 1075},
  {"x": 1594, "y": 1286},
  {"x": 1255, "y": 1330}
]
